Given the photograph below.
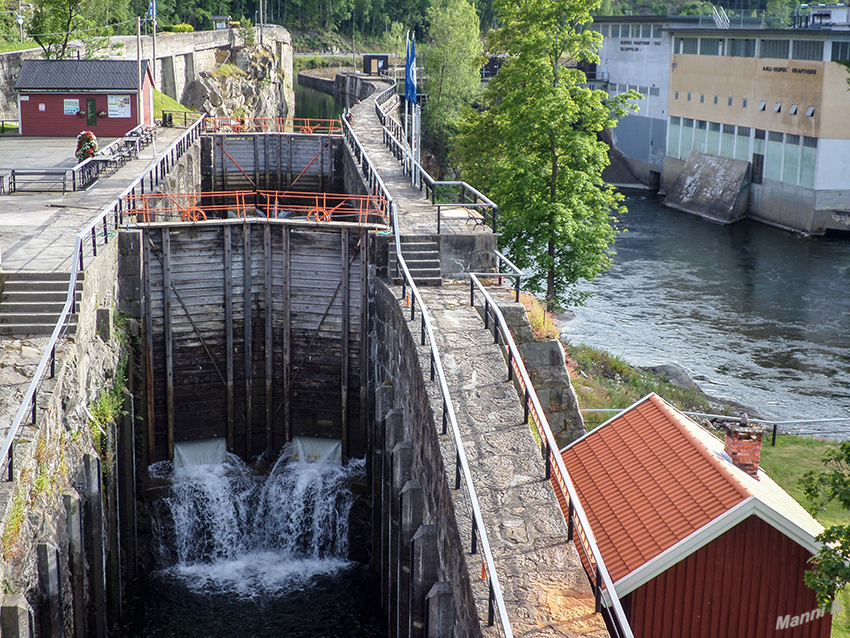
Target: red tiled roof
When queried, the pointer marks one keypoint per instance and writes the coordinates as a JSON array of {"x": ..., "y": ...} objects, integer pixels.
[{"x": 647, "y": 481}]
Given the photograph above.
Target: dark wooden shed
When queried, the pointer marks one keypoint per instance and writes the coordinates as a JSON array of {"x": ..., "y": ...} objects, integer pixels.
[
  {"x": 60, "y": 98},
  {"x": 699, "y": 541},
  {"x": 376, "y": 63}
]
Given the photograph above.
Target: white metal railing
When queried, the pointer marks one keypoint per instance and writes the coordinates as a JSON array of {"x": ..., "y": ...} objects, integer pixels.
[
  {"x": 577, "y": 522},
  {"x": 496, "y": 603},
  {"x": 104, "y": 225}
]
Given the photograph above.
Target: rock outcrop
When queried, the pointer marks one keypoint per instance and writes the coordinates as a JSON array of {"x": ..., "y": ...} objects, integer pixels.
[{"x": 251, "y": 83}]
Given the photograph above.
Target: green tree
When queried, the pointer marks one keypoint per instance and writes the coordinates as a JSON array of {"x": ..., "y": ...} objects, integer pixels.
[
  {"x": 830, "y": 570},
  {"x": 55, "y": 24},
  {"x": 535, "y": 148},
  {"x": 453, "y": 61}
]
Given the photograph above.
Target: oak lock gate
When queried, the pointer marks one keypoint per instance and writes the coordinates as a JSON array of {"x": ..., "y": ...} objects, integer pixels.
[{"x": 255, "y": 331}]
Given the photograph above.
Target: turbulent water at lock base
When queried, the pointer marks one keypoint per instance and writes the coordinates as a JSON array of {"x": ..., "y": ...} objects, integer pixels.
[
  {"x": 754, "y": 314},
  {"x": 261, "y": 556}
]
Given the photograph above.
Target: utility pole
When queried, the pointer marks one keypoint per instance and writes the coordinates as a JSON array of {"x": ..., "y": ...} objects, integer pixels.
[{"x": 139, "y": 68}]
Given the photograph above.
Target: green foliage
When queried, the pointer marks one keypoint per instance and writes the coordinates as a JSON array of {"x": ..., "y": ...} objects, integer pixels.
[
  {"x": 228, "y": 70},
  {"x": 246, "y": 32},
  {"x": 181, "y": 28},
  {"x": 535, "y": 149},
  {"x": 55, "y": 24},
  {"x": 453, "y": 60},
  {"x": 104, "y": 412},
  {"x": 394, "y": 39},
  {"x": 542, "y": 323},
  {"x": 830, "y": 570}
]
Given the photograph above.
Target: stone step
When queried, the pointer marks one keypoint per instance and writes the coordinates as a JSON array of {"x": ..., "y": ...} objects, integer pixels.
[
  {"x": 33, "y": 275},
  {"x": 23, "y": 330},
  {"x": 27, "y": 285},
  {"x": 30, "y": 307},
  {"x": 35, "y": 296},
  {"x": 29, "y": 318}
]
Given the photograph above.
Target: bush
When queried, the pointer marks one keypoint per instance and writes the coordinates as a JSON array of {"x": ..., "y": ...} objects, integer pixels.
[
  {"x": 182, "y": 28},
  {"x": 228, "y": 70}
]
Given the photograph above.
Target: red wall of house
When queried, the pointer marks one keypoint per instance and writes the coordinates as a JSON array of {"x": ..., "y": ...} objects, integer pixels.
[
  {"x": 734, "y": 587},
  {"x": 52, "y": 122}
]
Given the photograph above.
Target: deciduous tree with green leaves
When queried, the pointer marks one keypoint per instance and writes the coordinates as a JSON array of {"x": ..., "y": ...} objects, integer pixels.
[
  {"x": 453, "y": 60},
  {"x": 535, "y": 150},
  {"x": 830, "y": 571}
]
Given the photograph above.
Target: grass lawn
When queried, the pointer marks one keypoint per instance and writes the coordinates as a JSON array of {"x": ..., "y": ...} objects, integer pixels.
[
  {"x": 161, "y": 102},
  {"x": 6, "y": 46}
]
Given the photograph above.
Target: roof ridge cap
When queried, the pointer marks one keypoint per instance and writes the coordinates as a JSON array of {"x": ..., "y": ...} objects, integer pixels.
[{"x": 681, "y": 422}]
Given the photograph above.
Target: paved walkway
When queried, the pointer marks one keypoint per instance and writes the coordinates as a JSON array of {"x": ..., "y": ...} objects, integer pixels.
[
  {"x": 544, "y": 585},
  {"x": 37, "y": 230},
  {"x": 417, "y": 216},
  {"x": 546, "y": 590}
]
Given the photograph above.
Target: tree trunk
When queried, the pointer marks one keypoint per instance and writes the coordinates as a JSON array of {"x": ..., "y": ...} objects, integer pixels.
[{"x": 553, "y": 192}]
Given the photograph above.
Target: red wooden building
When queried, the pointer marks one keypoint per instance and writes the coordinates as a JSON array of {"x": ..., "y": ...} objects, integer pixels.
[
  {"x": 58, "y": 98},
  {"x": 699, "y": 541}
]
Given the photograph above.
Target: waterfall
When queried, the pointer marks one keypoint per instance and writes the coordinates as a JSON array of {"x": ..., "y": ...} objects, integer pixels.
[{"x": 225, "y": 528}]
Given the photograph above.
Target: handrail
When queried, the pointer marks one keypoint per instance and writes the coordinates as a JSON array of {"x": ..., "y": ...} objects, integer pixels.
[
  {"x": 302, "y": 125},
  {"x": 114, "y": 210},
  {"x": 516, "y": 275},
  {"x": 462, "y": 465},
  {"x": 587, "y": 539},
  {"x": 420, "y": 176}
]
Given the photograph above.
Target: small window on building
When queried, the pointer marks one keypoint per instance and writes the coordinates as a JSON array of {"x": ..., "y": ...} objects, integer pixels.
[
  {"x": 603, "y": 29},
  {"x": 715, "y": 99},
  {"x": 687, "y": 122},
  {"x": 624, "y": 31},
  {"x": 730, "y": 101},
  {"x": 711, "y": 46},
  {"x": 728, "y": 129},
  {"x": 689, "y": 96},
  {"x": 643, "y": 90},
  {"x": 701, "y": 125},
  {"x": 807, "y": 50},
  {"x": 774, "y": 136},
  {"x": 656, "y": 31},
  {"x": 744, "y": 131},
  {"x": 840, "y": 51},
  {"x": 744, "y": 103},
  {"x": 675, "y": 121},
  {"x": 762, "y": 105},
  {"x": 774, "y": 49},
  {"x": 676, "y": 95},
  {"x": 759, "y": 134},
  {"x": 777, "y": 108},
  {"x": 714, "y": 127},
  {"x": 793, "y": 110},
  {"x": 655, "y": 92},
  {"x": 615, "y": 30},
  {"x": 702, "y": 98},
  {"x": 646, "y": 31},
  {"x": 622, "y": 88},
  {"x": 811, "y": 142},
  {"x": 688, "y": 46},
  {"x": 810, "y": 111},
  {"x": 633, "y": 87},
  {"x": 792, "y": 139},
  {"x": 741, "y": 47}
]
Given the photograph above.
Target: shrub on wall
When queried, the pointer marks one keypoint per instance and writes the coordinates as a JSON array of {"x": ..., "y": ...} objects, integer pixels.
[{"x": 182, "y": 28}]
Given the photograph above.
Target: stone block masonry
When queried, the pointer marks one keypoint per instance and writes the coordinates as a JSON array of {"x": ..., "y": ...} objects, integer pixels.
[
  {"x": 49, "y": 532},
  {"x": 545, "y": 588}
]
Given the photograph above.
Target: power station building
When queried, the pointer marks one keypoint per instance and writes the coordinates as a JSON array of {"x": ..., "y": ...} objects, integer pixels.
[{"x": 775, "y": 100}]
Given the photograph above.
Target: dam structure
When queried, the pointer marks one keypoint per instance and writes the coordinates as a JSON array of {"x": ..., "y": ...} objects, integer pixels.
[{"x": 301, "y": 306}]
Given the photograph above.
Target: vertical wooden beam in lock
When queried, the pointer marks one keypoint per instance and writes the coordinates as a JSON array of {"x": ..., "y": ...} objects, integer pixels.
[
  {"x": 228, "y": 330},
  {"x": 345, "y": 329},
  {"x": 248, "y": 332},
  {"x": 151, "y": 412},
  {"x": 256, "y": 165},
  {"x": 224, "y": 160},
  {"x": 269, "y": 353},
  {"x": 287, "y": 333},
  {"x": 364, "y": 339},
  {"x": 169, "y": 344}
]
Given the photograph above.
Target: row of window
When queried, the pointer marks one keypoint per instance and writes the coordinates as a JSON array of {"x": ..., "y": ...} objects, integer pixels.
[
  {"x": 777, "y": 156},
  {"x": 644, "y": 31},
  {"x": 753, "y": 48},
  {"x": 651, "y": 91},
  {"x": 794, "y": 109}
]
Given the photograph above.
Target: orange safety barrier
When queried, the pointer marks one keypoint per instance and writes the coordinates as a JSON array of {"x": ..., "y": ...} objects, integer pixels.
[
  {"x": 305, "y": 126},
  {"x": 202, "y": 206}
]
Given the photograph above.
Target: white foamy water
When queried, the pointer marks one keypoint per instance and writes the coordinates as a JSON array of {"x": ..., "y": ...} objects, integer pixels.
[{"x": 254, "y": 535}]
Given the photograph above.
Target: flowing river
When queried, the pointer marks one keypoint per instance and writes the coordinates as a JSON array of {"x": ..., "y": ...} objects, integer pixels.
[{"x": 754, "y": 314}]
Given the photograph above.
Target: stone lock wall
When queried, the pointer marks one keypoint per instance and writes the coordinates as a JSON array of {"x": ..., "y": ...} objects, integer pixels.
[
  {"x": 59, "y": 528},
  {"x": 413, "y": 509}
]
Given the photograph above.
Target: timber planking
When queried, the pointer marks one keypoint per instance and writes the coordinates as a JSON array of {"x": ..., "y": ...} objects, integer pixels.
[{"x": 256, "y": 334}]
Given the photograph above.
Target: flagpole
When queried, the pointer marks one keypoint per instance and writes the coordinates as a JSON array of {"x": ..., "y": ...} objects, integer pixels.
[{"x": 406, "y": 89}]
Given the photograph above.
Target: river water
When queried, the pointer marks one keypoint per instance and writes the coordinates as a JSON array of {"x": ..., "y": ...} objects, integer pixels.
[{"x": 754, "y": 314}]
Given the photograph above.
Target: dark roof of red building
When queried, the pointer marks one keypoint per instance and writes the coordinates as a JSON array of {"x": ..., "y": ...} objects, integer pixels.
[
  {"x": 655, "y": 486},
  {"x": 79, "y": 75}
]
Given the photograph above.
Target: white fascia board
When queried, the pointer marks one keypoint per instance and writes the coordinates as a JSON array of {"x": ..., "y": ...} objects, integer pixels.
[{"x": 707, "y": 533}]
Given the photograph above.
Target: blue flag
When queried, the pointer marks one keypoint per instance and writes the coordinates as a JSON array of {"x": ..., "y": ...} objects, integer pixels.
[{"x": 410, "y": 72}]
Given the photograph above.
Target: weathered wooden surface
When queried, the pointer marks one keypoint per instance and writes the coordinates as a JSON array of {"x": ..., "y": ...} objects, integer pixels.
[
  {"x": 266, "y": 334},
  {"x": 272, "y": 161}
]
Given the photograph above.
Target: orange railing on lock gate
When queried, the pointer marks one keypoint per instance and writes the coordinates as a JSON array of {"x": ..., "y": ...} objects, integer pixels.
[{"x": 304, "y": 126}]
